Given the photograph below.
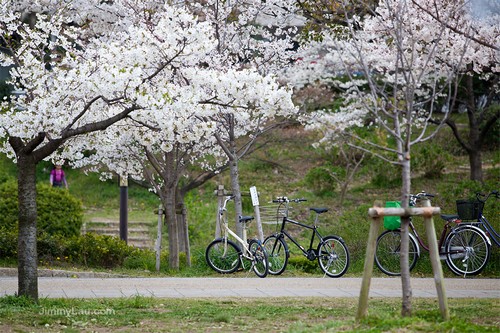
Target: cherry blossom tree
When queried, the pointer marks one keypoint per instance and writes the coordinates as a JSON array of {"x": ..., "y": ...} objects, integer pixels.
[
  {"x": 82, "y": 67},
  {"x": 391, "y": 70},
  {"x": 230, "y": 94}
]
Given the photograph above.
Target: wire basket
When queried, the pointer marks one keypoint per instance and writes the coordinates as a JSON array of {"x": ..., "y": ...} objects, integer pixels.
[
  {"x": 272, "y": 214},
  {"x": 469, "y": 209}
]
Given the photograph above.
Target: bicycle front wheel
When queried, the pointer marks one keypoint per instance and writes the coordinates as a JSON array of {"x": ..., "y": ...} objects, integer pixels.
[
  {"x": 277, "y": 253},
  {"x": 387, "y": 252},
  {"x": 333, "y": 256},
  {"x": 467, "y": 251},
  {"x": 260, "y": 263},
  {"x": 223, "y": 256}
]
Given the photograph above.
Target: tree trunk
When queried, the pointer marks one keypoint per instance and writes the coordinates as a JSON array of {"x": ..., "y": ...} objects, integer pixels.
[
  {"x": 172, "y": 229},
  {"x": 27, "y": 250},
  {"x": 183, "y": 230},
  {"x": 235, "y": 178},
  {"x": 476, "y": 165},
  {"x": 168, "y": 200},
  {"x": 235, "y": 186},
  {"x": 406, "y": 309}
]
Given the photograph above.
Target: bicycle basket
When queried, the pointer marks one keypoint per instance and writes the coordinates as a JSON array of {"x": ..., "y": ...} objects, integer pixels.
[{"x": 469, "y": 209}]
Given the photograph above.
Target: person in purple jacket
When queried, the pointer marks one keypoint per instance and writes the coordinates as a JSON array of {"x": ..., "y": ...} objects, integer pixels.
[{"x": 57, "y": 177}]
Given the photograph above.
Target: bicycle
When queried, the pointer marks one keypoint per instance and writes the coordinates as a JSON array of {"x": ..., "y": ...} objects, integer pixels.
[
  {"x": 465, "y": 248},
  {"x": 471, "y": 211},
  {"x": 225, "y": 256},
  {"x": 332, "y": 253}
]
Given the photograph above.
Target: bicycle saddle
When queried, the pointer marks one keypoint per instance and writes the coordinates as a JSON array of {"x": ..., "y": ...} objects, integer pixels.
[
  {"x": 244, "y": 219},
  {"x": 319, "y": 210},
  {"x": 447, "y": 217}
]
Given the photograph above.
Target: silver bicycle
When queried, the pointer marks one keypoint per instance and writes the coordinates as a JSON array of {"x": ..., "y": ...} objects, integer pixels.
[{"x": 225, "y": 255}]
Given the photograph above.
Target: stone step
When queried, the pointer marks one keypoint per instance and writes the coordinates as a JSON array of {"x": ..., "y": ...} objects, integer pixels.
[
  {"x": 99, "y": 230},
  {"x": 117, "y": 223},
  {"x": 138, "y": 234}
]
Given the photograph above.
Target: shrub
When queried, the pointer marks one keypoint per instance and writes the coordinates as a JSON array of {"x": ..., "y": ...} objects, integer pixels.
[
  {"x": 141, "y": 259},
  {"x": 58, "y": 211},
  {"x": 8, "y": 204},
  {"x": 98, "y": 250},
  {"x": 385, "y": 174},
  {"x": 320, "y": 181},
  {"x": 50, "y": 247},
  {"x": 430, "y": 159},
  {"x": 8, "y": 242},
  {"x": 304, "y": 265}
]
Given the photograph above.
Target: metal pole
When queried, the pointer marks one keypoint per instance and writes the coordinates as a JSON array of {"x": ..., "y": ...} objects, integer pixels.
[{"x": 123, "y": 208}]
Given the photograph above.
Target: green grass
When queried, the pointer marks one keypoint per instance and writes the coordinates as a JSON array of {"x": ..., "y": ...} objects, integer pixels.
[{"x": 142, "y": 314}]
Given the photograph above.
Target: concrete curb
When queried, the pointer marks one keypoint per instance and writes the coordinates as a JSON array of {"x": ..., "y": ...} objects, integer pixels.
[{"x": 12, "y": 272}]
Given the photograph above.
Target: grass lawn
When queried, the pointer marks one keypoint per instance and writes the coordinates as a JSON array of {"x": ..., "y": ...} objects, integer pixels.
[{"x": 140, "y": 314}]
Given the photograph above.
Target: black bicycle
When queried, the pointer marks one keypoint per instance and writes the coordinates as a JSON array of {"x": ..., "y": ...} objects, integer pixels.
[
  {"x": 331, "y": 252},
  {"x": 471, "y": 212}
]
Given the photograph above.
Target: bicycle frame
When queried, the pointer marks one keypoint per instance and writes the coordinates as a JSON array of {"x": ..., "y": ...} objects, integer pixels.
[
  {"x": 315, "y": 233},
  {"x": 447, "y": 229},
  {"x": 483, "y": 221},
  {"x": 245, "y": 252},
  {"x": 490, "y": 231}
]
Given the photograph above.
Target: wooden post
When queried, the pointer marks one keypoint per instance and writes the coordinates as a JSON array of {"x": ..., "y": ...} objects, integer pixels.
[
  {"x": 159, "y": 238},
  {"x": 437, "y": 269},
  {"x": 368, "y": 268},
  {"x": 255, "y": 202},
  {"x": 220, "y": 192},
  {"x": 377, "y": 213}
]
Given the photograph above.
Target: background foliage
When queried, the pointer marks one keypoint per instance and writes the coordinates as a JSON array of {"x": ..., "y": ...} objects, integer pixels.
[{"x": 284, "y": 167}]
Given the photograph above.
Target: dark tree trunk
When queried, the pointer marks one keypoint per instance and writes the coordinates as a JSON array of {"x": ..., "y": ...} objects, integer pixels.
[
  {"x": 476, "y": 165},
  {"x": 27, "y": 250},
  {"x": 172, "y": 228},
  {"x": 168, "y": 199}
]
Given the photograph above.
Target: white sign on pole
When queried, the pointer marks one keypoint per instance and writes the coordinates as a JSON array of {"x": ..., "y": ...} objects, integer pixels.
[{"x": 254, "y": 195}]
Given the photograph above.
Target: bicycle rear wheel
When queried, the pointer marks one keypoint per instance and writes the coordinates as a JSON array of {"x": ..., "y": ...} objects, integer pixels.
[
  {"x": 467, "y": 251},
  {"x": 333, "y": 256},
  {"x": 387, "y": 252},
  {"x": 260, "y": 263},
  {"x": 223, "y": 256},
  {"x": 277, "y": 252}
]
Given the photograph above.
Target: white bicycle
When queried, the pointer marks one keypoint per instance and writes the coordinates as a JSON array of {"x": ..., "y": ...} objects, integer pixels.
[{"x": 225, "y": 256}]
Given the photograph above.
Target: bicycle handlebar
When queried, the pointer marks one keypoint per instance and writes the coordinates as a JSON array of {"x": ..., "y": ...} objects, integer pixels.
[
  {"x": 422, "y": 195},
  {"x": 286, "y": 199},
  {"x": 480, "y": 195}
]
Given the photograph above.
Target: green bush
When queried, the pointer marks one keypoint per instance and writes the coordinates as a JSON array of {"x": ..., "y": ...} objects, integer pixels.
[
  {"x": 320, "y": 181},
  {"x": 385, "y": 174},
  {"x": 431, "y": 160},
  {"x": 98, "y": 250},
  {"x": 8, "y": 204},
  {"x": 143, "y": 260},
  {"x": 58, "y": 211},
  {"x": 304, "y": 265},
  {"x": 50, "y": 247},
  {"x": 90, "y": 250},
  {"x": 8, "y": 242}
]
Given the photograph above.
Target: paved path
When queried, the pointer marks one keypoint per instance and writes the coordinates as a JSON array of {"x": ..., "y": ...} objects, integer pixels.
[{"x": 227, "y": 286}]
